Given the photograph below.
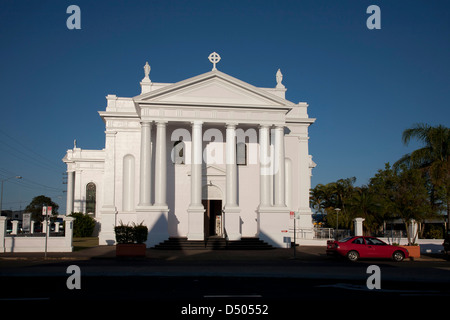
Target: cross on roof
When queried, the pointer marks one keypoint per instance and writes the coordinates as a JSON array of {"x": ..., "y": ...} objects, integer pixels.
[{"x": 214, "y": 58}]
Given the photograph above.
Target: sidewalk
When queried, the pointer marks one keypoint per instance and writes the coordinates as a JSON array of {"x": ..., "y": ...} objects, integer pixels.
[
  {"x": 108, "y": 252},
  {"x": 303, "y": 253}
]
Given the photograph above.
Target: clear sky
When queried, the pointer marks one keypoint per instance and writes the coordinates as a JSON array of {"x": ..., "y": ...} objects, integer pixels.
[{"x": 363, "y": 86}]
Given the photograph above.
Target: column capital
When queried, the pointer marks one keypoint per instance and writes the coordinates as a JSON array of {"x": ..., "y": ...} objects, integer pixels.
[
  {"x": 161, "y": 122},
  {"x": 146, "y": 123},
  {"x": 279, "y": 125},
  {"x": 196, "y": 123},
  {"x": 231, "y": 125}
]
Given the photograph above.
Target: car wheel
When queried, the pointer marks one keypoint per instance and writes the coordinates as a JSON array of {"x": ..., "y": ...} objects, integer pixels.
[
  {"x": 398, "y": 256},
  {"x": 353, "y": 255}
]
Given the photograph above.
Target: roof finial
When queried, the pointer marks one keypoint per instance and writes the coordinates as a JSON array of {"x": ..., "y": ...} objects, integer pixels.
[
  {"x": 214, "y": 58},
  {"x": 279, "y": 78}
]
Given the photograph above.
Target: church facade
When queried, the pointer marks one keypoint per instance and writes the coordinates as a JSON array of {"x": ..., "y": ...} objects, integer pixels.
[{"x": 207, "y": 156}]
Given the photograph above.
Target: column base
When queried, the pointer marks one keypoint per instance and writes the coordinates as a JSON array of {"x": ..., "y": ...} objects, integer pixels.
[
  {"x": 156, "y": 220},
  {"x": 274, "y": 225},
  {"x": 196, "y": 223},
  {"x": 107, "y": 236},
  {"x": 232, "y": 223}
]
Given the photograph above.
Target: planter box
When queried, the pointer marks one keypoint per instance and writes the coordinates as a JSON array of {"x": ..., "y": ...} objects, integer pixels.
[
  {"x": 414, "y": 251},
  {"x": 130, "y": 250}
]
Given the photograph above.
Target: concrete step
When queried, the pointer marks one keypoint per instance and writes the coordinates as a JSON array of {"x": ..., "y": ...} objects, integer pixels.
[{"x": 213, "y": 243}]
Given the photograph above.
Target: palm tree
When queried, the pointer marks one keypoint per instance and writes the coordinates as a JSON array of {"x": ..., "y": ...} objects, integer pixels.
[
  {"x": 433, "y": 157},
  {"x": 363, "y": 204}
]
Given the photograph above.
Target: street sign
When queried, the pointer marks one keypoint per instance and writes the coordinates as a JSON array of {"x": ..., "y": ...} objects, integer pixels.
[{"x": 46, "y": 210}]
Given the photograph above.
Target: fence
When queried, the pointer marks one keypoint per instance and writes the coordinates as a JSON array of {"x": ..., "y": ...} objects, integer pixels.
[
  {"x": 36, "y": 242},
  {"x": 330, "y": 233}
]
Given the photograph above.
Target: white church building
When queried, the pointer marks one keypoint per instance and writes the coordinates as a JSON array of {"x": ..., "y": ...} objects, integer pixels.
[{"x": 207, "y": 156}]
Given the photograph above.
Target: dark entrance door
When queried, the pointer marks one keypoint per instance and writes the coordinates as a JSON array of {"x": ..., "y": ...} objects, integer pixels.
[{"x": 213, "y": 208}]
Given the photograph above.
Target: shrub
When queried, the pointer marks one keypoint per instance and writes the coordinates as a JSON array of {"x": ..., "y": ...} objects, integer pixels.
[
  {"x": 131, "y": 234},
  {"x": 84, "y": 224}
]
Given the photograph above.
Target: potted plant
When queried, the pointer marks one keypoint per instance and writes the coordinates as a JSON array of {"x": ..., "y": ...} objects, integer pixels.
[{"x": 130, "y": 240}]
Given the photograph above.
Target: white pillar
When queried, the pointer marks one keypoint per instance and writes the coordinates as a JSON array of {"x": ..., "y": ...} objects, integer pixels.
[
  {"x": 358, "y": 226},
  {"x": 279, "y": 186},
  {"x": 70, "y": 191},
  {"x": 68, "y": 233},
  {"x": 231, "y": 166},
  {"x": 160, "y": 165},
  {"x": 15, "y": 224},
  {"x": 156, "y": 217},
  {"x": 413, "y": 230},
  {"x": 2, "y": 233},
  {"x": 232, "y": 212},
  {"x": 196, "y": 210},
  {"x": 145, "y": 187},
  {"x": 108, "y": 210},
  {"x": 265, "y": 173}
]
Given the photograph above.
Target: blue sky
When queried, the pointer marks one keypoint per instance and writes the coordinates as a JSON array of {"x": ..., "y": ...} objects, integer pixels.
[{"x": 363, "y": 86}]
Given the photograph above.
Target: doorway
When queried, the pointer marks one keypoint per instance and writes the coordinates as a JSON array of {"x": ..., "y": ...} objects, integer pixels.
[{"x": 213, "y": 212}]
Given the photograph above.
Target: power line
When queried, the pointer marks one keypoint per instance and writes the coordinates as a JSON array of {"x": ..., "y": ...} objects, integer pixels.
[{"x": 39, "y": 160}]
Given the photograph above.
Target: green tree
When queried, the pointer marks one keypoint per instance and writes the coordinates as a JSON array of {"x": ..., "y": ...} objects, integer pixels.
[
  {"x": 35, "y": 207},
  {"x": 433, "y": 158},
  {"x": 364, "y": 204},
  {"x": 402, "y": 194}
]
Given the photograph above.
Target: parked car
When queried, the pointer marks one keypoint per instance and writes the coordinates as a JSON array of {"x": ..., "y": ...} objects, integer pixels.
[{"x": 365, "y": 247}]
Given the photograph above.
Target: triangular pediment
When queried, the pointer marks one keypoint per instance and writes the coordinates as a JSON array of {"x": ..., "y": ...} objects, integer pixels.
[{"x": 213, "y": 88}]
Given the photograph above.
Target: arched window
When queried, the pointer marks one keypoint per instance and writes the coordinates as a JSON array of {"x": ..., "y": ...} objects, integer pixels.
[
  {"x": 241, "y": 153},
  {"x": 91, "y": 195},
  {"x": 178, "y": 153}
]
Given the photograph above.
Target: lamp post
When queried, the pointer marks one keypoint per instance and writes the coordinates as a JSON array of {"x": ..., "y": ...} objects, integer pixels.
[
  {"x": 1, "y": 193},
  {"x": 337, "y": 222}
]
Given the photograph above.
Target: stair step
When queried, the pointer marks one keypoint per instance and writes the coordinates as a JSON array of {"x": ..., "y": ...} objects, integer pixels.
[{"x": 213, "y": 244}]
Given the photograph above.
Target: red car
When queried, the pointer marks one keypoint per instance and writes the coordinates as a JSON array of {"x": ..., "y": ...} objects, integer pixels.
[{"x": 365, "y": 247}]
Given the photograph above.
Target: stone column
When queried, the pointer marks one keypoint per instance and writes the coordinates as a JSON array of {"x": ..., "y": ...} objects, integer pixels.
[
  {"x": 68, "y": 233},
  {"x": 108, "y": 210},
  {"x": 145, "y": 187},
  {"x": 279, "y": 199},
  {"x": 265, "y": 173},
  {"x": 231, "y": 166},
  {"x": 156, "y": 217},
  {"x": 232, "y": 217},
  {"x": 196, "y": 210},
  {"x": 160, "y": 165},
  {"x": 70, "y": 191}
]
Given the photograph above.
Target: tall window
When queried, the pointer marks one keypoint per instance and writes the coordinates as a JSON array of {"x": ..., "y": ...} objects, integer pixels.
[
  {"x": 178, "y": 152},
  {"x": 91, "y": 197},
  {"x": 241, "y": 153}
]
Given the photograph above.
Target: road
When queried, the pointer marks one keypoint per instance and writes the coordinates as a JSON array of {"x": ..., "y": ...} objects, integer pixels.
[{"x": 186, "y": 287}]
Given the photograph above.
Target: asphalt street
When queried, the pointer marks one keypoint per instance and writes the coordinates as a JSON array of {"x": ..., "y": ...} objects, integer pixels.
[{"x": 190, "y": 284}]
